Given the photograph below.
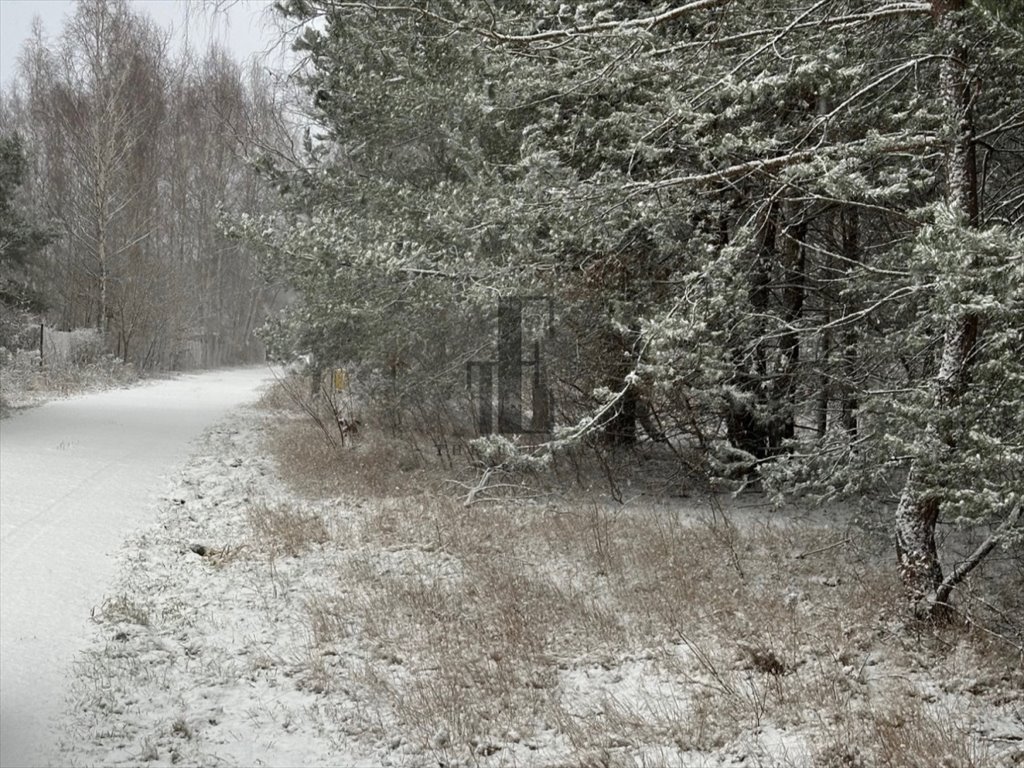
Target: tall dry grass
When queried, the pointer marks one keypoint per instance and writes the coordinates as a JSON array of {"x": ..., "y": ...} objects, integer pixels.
[{"x": 640, "y": 634}]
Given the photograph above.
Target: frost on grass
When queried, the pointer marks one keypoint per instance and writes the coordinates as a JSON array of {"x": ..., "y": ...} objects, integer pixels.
[
  {"x": 203, "y": 659},
  {"x": 75, "y": 362},
  {"x": 400, "y": 627}
]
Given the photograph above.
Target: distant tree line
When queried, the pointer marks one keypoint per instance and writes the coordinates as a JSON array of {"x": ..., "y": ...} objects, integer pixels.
[{"x": 131, "y": 158}]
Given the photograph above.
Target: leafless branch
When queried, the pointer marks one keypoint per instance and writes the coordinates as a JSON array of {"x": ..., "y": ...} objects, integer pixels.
[
  {"x": 644, "y": 22},
  {"x": 975, "y": 558},
  {"x": 830, "y": 23}
]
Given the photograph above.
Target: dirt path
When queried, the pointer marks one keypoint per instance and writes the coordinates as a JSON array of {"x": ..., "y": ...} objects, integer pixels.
[{"x": 76, "y": 477}]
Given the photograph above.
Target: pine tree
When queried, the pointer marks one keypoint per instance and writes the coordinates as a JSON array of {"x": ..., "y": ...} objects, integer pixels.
[{"x": 788, "y": 230}]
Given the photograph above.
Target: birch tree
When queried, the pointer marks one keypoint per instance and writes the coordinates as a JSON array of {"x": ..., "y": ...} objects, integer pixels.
[
  {"x": 107, "y": 105},
  {"x": 137, "y": 158}
]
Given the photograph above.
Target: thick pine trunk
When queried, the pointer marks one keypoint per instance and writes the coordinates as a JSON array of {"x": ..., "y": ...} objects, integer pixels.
[
  {"x": 917, "y": 555},
  {"x": 918, "y": 510}
]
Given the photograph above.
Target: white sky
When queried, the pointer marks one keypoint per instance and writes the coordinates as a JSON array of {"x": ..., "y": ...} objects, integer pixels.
[{"x": 242, "y": 25}]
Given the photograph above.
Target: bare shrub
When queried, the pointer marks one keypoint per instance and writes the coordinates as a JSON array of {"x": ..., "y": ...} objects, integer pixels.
[
  {"x": 23, "y": 381},
  {"x": 80, "y": 347},
  {"x": 280, "y": 396}
]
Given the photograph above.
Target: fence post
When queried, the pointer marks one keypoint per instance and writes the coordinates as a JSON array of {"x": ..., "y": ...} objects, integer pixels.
[
  {"x": 42, "y": 327},
  {"x": 540, "y": 395}
]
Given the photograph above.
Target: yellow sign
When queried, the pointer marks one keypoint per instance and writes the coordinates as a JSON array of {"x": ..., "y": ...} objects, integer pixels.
[{"x": 340, "y": 379}]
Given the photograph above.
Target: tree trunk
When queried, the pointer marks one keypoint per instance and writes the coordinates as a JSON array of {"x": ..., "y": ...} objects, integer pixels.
[
  {"x": 851, "y": 256},
  {"x": 916, "y": 553},
  {"x": 824, "y": 385},
  {"x": 620, "y": 430},
  {"x": 918, "y": 510},
  {"x": 100, "y": 202}
]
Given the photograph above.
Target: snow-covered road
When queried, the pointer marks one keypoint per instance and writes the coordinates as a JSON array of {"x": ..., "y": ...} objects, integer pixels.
[{"x": 76, "y": 477}]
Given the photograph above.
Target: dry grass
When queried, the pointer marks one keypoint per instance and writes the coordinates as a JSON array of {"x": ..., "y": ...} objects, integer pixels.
[
  {"x": 601, "y": 632},
  {"x": 490, "y": 622},
  {"x": 901, "y": 731},
  {"x": 121, "y": 609},
  {"x": 24, "y": 382},
  {"x": 368, "y": 464},
  {"x": 285, "y": 529}
]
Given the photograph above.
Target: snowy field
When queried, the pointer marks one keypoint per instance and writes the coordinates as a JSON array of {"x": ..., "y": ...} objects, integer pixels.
[
  {"x": 78, "y": 476},
  {"x": 354, "y": 616}
]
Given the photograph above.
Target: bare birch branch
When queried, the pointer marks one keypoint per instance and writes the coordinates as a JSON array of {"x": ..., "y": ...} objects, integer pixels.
[
  {"x": 645, "y": 22},
  {"x": 833, "y": 22}
]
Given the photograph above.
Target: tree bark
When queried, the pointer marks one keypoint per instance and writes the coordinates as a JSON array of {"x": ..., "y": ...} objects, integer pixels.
[
  {"x": 916, "y": 552},
  {"x": 919, "y": 508},
  {"x": 824, "y": 385},
  {"x": 620, "y": 430},
  {"x": 783, "y": 422}
]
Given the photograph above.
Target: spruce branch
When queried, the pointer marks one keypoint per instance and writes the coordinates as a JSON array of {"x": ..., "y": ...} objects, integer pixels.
[
  {"x": 836, "y": 153},
  {"x": 621, "y": 25}
]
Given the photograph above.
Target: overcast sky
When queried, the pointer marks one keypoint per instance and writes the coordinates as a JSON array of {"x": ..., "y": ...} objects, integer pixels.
[{"x": 242, "y": 26}]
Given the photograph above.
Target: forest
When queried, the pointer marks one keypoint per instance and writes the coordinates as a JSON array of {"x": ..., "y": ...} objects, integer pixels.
[
  {"x": 782, "y": 239},
  {"x": 776, "y": 245}
]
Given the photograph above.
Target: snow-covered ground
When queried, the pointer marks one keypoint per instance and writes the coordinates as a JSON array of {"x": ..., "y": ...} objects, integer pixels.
[
  {"x": 250, "y": 625},
  {"x": 76, "y": 478},
  {"x": 199, "y": 658},
  {"x": 360, "y": 616}
]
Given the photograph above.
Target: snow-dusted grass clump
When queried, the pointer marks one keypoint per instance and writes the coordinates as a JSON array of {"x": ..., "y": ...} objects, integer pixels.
[
  {"x": 81, "y": 367},
  {"x": 360, "y": 615}
]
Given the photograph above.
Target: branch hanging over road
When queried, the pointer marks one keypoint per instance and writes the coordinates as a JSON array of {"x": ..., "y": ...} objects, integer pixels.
[{"x": 837, "y": 153}]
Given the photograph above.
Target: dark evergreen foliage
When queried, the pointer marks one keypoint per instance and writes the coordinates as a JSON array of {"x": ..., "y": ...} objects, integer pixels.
[{"x": 20, "y": 240}]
